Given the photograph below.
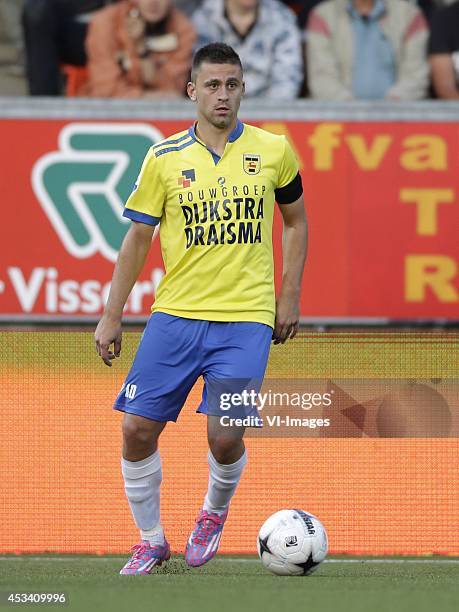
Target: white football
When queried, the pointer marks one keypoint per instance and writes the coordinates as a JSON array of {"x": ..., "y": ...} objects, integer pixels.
[{"x": 292, "y": 543}]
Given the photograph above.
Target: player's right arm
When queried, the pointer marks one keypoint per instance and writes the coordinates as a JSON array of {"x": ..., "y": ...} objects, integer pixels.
[
  {"x": 130, "y": 262},
  {"x": 144, "y": 207}
]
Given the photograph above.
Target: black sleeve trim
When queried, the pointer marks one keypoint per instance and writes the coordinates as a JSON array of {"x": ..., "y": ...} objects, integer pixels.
[{"x": 291, "y": 192}]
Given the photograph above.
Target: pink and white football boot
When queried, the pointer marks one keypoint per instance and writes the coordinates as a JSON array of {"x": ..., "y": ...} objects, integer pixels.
[
  {"x": 203, "y": 542},
  {"x": 145, "y": 557}
]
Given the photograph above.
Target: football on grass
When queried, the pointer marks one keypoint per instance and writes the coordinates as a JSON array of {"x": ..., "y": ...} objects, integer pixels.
[{"x": 292, "y": 543}]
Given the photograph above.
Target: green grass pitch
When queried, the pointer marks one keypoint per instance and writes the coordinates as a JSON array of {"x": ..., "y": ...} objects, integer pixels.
[{"x": 237, "y": 584}]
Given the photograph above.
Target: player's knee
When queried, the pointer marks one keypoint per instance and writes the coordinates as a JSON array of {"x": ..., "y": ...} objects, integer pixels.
[
  {"x": 136, "y": 433},
  {"x": 225, "y": 449}
]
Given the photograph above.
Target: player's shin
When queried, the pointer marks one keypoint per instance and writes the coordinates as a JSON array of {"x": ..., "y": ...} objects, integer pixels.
[
  {"x": 142, "y": 481},
  {"x": 223, "y": 480}
]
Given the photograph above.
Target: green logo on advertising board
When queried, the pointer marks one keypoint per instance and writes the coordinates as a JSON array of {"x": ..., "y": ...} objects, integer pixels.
[{"x": 83, "y": 186}]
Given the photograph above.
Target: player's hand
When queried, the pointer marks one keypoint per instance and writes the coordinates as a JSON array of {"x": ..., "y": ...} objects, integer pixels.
[
  {"x": 287, "y": 317},
  {"x": 108, "y": 332}
]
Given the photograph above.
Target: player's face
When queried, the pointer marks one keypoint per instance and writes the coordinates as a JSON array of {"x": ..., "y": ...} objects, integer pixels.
[
  {"x": 246, "y": 4},
  {"x": 153, "y": 10},
  {"x": 217, "y": 90}
]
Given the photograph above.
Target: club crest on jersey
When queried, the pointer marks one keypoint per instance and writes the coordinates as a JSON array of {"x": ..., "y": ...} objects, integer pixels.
[
  {"x": 187, "y": 177},
  {"x": 251, "y": 163}
]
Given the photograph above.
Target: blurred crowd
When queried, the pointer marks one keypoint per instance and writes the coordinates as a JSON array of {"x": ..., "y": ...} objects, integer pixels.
[{"x": 323, "y": 49}]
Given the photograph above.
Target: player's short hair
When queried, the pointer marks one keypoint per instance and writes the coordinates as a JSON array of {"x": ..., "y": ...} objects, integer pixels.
[{"x": 214, "y": 53}]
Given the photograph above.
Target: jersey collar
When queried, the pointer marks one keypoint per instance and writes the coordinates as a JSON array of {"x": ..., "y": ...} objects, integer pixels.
[
  {"x": 234, "y": 135},
  {"x": 237, "y": 132}
]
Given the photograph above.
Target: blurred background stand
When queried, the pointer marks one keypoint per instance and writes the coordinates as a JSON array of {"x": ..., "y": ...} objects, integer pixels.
[{"x": 11, "y": 48}]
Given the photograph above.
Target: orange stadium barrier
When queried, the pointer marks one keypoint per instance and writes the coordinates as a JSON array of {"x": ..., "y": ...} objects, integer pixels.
[{"x": 61, "y": 480}]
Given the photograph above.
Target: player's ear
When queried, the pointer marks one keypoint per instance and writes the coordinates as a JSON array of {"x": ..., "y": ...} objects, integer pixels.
[
  {"x": 191, "y": 91},
  {"x": 243, "y": 87}
]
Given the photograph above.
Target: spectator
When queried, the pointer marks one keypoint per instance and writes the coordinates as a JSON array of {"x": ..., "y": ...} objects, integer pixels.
[
  {"x": 55, "y": 32},
  {"x": 444, "y": 52},
  {"x": 10, "y": 11},
  {"x": 367, "y": 49},
  {"x": 428, "y": 7},
  {"x": 188, "y": 6},
  {"x": 139, "y": 48},
  {"x": 302, "y": 9},
  {"x": 265, "y": 35}
]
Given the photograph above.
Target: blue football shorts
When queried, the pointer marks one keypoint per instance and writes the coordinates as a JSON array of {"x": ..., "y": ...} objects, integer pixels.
[{"x": 174, "y": 352}]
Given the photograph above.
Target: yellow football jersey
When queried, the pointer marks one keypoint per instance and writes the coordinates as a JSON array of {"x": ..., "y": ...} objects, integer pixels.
[{"x": 216, "y": 219}]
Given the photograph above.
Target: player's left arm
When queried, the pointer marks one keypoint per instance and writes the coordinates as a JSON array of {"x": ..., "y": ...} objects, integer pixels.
[{"x": 294, "y": 250}]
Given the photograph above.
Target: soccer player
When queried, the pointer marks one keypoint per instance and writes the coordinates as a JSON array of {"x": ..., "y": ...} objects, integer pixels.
[{"x": 213, "y": 187}]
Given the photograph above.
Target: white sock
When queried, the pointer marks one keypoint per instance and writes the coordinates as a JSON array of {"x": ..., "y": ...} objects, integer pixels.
[
  {"x": 223, "y": 480},
  {"x": 142, "y": 481}
]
